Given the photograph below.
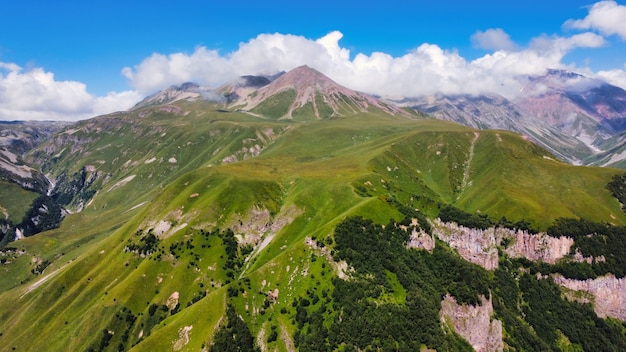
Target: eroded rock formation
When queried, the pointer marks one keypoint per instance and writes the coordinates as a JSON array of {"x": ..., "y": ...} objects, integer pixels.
[
  {"x": 474, "y": 245},
  {"x": 609, "y": 294},
  {"x": 474, "y": 323},
  {"x": 481, "y": 246}
]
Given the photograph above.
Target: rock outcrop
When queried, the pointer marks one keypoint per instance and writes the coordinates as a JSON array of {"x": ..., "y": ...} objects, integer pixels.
[
  {"x": 538, "y": 247},
  {"x": 609, "y": 294},
  {"x": 474, "y": 245},
  {"x": 481, "y": 246},
  {"x": 474, "y": 323},
  {"x": 419, "y": 238}
]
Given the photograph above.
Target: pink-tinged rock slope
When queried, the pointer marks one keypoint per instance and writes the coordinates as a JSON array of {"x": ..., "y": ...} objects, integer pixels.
[
  {"x": 580, "y": 106},
  {"x": 609, "y": 294},
  {"x": 481, "y": 246},
  {"x": 474, "y": 323}
]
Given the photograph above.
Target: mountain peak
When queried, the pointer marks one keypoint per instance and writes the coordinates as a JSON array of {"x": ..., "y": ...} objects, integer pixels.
[
  {"x": 303, "y": 77},
  {"x": 305, "y": 88},
  {"x": 581, "y": 106},
  {"x": 185, "y": 91}
]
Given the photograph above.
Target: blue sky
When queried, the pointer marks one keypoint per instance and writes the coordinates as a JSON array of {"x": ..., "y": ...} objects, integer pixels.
[{"x": 75, "y": 59}]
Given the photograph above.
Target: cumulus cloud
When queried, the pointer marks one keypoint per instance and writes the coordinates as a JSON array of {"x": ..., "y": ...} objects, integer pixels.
[
  {"x": 607, "y": 17},
  {"x": 426, "y": 69},
  {"x": 203, "y": 66},
  {"x": 36, "y": 95},
  {"x": 493, "y": 39},
  {"x": 615, "y": 77}
]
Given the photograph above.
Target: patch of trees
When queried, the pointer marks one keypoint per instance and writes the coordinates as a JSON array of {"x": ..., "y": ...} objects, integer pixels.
[
  {"x": 44, "y": 214},
  {"x": 234, "y": 335},
  {"x": 38, "y": 270},
  {"x": 147, "y": 243},
  {"x": 449, "y": 213},
  {"x": 535, "y": 313},
  {"x": 117, "y": 336},
  {"x": 367, "y": 312},
  {"x": 7, "y": 232},
  {"x": 412, "y": 213},
  {"x": 592, "y": 239},
  {"x": 507, "y": 300},
  {"x": 547, "y": 311},
  {"x": 235, "y": 255},
  {"x": 617, "y": 186},
  {"x": 76, "y": 186}
]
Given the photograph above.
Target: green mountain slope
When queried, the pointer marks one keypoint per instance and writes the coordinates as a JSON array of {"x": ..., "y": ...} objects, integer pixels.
[{"x": 188, "y": 209}]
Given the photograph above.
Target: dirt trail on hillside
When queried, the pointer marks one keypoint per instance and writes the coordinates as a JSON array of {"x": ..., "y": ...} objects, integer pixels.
[
  {"x": 468, "y": 163},
  {"x": 42, "y": 280}
]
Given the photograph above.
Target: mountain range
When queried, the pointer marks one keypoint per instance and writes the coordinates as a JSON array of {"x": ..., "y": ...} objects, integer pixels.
[
  {"x": 288, "y": 212},
  {"x": 578, "y": 119}
]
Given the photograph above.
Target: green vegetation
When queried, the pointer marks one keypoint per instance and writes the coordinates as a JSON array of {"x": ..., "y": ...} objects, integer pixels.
[
  {"x": 449, "y": 213},
  {"x": 362, "y": 318},
  {"x": 199, "y": 225},
  {"x": 14, "y": 200},
  {"x": 278, "y": 105},
  {"x": 548, "y": 313},
  {"x": 234, "y": 335},
  {"x": 617, "y": 186}
]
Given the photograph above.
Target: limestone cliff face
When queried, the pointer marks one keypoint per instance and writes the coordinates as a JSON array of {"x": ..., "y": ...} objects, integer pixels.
[
  {"x": 538, "y": 247},
  {"x": 474, "y": 323},
  {"x": 481, "y": 246},
  {"x": 476, "y": 246},
  {"x": 419, "y": 238},
  {"x": 609, "y": 294}
]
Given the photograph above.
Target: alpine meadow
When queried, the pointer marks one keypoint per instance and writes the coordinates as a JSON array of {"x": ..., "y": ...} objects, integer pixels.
[{"x": 290, "y": 213}]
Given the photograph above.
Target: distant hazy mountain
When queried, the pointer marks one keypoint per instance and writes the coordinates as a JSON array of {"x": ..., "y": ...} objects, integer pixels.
[
  {"x": 16, "y": 139},
  {"x": 186, "y": 91},
  {"x": 577, "y": 118},
  {"x": 496, "y": 112},
  {"x": 588, "y": 109}
]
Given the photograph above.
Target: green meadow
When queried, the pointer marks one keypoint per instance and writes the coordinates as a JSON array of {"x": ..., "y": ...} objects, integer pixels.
[{"x": 146, "y": 264}]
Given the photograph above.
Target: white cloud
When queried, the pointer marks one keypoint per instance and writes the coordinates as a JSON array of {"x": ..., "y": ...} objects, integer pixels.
[
  {"x": 204, "y": 66},
  {"x": 607, "y": 17},
  {"x": 115, "y": 101},
  {"x": 615, "y": 77},
  {"x": 493, "y": 39},
  {"x": 36, "y": 95},
  {"x": 425, "y": 70}
]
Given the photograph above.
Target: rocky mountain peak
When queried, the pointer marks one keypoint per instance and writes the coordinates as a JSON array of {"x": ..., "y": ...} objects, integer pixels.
[
  {"x": 326, "y": 97},
  {"x": 185, "y": 91}
]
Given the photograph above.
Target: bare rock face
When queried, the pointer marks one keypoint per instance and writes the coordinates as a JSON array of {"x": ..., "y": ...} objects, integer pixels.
[
  {"x": 474, "y": 245},
  {"x": 609, "y": 294},
  {"x": 539, "y": 247},
  {"x": 419, "y": 238},
  {"x": 474, "y": 323},
  {"x": 481, "y": 246}
]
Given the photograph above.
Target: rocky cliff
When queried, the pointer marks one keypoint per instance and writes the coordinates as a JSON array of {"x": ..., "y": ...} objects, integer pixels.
[
  {"x": 609, "y": 294},
  {"x": 481, "y": 246},
  {"x": 474, "y": 323},
  {"x": 474, "y": 245}
]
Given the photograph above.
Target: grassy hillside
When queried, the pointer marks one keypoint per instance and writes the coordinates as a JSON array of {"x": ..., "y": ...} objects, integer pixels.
[
  {"x": 149, "y": 263},
  {"x": 14, "y": 201}
]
